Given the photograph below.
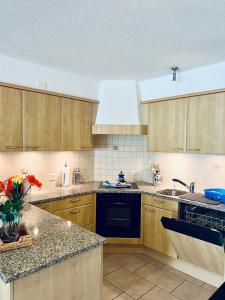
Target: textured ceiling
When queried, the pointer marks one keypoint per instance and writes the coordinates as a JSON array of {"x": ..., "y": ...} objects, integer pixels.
[{"x": 114, "y": 39}]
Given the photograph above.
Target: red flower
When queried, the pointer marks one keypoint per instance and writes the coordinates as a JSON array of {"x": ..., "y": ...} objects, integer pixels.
[
  {"x": 2, "y": 187},
  {"x": 9, "y": 188},
  {"x": 33, "y": 181}
]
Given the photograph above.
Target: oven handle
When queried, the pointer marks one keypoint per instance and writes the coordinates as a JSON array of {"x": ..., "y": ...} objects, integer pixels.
[{"x": 119, "y": 203}]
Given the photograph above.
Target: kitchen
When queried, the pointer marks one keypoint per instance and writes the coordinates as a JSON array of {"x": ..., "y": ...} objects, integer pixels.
[{"x": 109, "y": 142}]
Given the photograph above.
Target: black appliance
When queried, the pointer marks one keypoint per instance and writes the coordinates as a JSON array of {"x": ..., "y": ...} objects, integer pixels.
[
  {"x": 198, "y": 236},
  {"x": 118, "y": 215}
]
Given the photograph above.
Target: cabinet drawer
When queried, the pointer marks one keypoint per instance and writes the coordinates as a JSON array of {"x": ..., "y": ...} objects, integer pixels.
[
  {"x": 72, "y": 202},
  {"x": 161, "y": 203},
  {"x": 81, "y": 215},
  {"x": 45, "y": 206}
]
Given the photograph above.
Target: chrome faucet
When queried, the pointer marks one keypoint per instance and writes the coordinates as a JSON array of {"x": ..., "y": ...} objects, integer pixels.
[{"x": 190, "y": 187}]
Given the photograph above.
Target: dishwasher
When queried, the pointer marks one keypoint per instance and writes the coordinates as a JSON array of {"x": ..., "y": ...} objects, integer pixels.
[{"x": 198, "y": 236}]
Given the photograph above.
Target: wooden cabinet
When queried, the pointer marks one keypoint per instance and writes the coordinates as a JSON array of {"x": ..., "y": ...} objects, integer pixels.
[
  {"x": 149, "y": 226},
  {"x": 86, "y": 121},
  {"x": 42, "y": 121},
  {"x": 195, "y": 124},
  {"x": 11, "y": 112},
  {"x": 206, "y": 124},
  {"x": 154, "y": 235},
  {"x": 70, "y": 124},
  {"x": 80, "y": 215},
  {"x": 167, "y": 127},
  {"x": 79, "y": 210},
  {"x": 34, "y": 120}
]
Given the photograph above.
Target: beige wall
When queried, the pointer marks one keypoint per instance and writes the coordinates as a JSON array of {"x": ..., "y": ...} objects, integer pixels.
[{"x": 42, "y": 163}]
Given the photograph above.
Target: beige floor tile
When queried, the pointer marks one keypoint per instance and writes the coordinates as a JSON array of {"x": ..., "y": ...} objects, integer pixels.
[
  {"x": 150, "y": 259},
  {"x": 124, "y": 297},
  {"x": 129, "y": 283},
  {"x": 183, "y": 275},
  {"x": 109, "y": 266},
  {"x": 109, "y": 291},
  {"x": 209, "y": 287},
  {"x": 127, "y": 261},
  {"x": 158, "y": 294},
  {"x": 161, "y": 278},
  {"x": 189, "y": 291}
]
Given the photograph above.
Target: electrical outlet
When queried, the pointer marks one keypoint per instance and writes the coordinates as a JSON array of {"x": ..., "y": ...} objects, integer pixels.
[
  {"x": 215, "y": 167},
  {"x": 51, "y": 177},
  {"x": 24, "y": 171}
]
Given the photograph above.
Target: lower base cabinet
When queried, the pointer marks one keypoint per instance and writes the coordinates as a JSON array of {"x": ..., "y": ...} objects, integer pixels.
[
  {"x": 79, "y": 210},
  {"x": 154, "y": 235}
]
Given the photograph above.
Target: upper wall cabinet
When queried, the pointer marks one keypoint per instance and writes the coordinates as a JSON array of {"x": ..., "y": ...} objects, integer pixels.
[
  {"x": 194, "y": 124},
  {"x": 70, "y": 124},
  {"x": 206, "y": 124},
  {"x": 167, "y": 128},
  {"x": 11, "y": 112},
  {"x": 42, "y": 121},
  {"x": 86, "y": 121}
]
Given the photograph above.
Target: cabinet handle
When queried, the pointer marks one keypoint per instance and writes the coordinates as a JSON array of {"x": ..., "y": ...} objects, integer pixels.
[
  {"x": 32, "y": 147},
  {"x": 178, "y": 149},
  {"x": 74, "y": 200},
  {"x": 75, "y": 211},
  {"x": 13, "y": 147},
  {"x": 43, "y": 206},
  {"x": 194, "y": 149},
  {"x": 159, "y": 201},
  {"x": 149, "y": 210}
]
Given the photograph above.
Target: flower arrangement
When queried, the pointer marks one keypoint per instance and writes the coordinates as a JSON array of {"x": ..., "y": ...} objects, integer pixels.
[{"x": 10, "y": 209}]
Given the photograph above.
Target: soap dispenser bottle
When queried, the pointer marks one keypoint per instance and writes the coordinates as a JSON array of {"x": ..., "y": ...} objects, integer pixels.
[{"x": 65, "y": 175}]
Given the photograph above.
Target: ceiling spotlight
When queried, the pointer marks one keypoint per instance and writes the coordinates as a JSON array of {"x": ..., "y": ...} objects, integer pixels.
[{"x": 174, "y": 69}]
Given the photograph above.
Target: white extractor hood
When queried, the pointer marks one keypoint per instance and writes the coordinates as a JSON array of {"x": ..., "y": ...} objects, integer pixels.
[{"x": 118, "y": 111}]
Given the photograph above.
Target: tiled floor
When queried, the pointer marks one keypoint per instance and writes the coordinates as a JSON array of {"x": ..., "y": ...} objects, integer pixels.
[{"x": 139, "y": 276}]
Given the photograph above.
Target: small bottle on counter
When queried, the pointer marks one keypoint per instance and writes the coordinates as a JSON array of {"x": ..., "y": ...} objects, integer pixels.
[
  {"x": 65, "y": 175},
  {"x": 76, "y": 176},
  {"x": 121, "y": 177}
]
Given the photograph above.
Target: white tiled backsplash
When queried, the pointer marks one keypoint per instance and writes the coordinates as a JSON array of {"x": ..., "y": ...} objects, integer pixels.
[
  {"x": 105, "y": 163},
  {"x": 134, "y": 160}
]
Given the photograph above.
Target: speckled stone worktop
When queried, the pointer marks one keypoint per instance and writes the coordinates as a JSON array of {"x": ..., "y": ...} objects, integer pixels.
[
  {"x": 93, "y": 187},
  {"x": 54, "y": 241}
]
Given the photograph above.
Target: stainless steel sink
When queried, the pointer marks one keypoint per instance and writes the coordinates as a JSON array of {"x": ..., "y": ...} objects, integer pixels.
[{"x": 171, "y": 192}]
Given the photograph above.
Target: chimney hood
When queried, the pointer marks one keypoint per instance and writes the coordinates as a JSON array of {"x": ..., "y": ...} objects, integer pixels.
[
  {"x": 120, "y": 129},
  {"x": 118, "y": 111}
]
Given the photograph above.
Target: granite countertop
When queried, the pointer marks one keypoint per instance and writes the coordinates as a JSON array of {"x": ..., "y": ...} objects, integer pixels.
[
  {"x": 93, "y": 187},
  {"x": 54, "y": 241}
]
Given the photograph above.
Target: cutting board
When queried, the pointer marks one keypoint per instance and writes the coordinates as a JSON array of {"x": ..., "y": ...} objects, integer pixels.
[{"x": 198, "y": 197}]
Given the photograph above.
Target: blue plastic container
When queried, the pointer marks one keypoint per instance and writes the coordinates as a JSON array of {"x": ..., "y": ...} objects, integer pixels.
[{"x": 215, "y": 194}]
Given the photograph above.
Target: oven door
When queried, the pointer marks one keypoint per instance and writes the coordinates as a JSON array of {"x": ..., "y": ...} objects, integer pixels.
[
  {"x": 199, "y": 245},
  {"x": 118, "y": 218}
]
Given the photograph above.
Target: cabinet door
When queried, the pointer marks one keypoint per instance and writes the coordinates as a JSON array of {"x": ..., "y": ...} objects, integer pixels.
[
  {"x": 42, "y": 121},
  {"x": 85, "y": 113},
  {"x": 150, "y": 226},
  {"x": 70, "y": 125},
  {"x": 11, "y": 112},
  {"x": 80, "y": 215},
  {"x": 206, "y": 124},
  {"x": 167, "y": 126},
  {"x": 163, "y": 243}
]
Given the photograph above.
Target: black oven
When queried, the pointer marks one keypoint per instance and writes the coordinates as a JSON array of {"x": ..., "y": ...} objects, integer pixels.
[{"x": 118, "y": 214}]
